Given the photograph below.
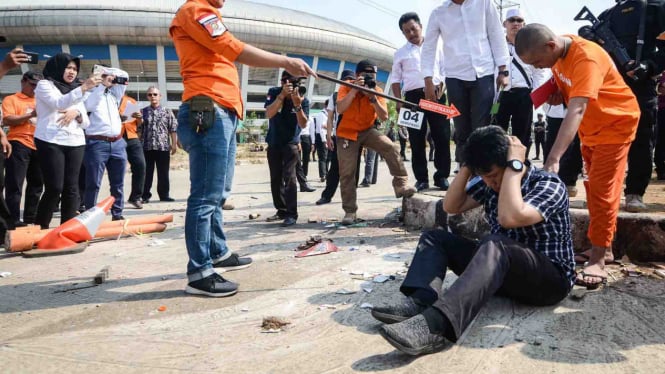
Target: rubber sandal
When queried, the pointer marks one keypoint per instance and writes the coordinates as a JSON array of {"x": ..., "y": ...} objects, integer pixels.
[{"x": 579, "y": 280}]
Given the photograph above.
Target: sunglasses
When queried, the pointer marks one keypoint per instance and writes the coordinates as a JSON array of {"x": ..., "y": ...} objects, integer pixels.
[
  {"x": 515, "y": 19},
  {"x": 153, "y": 94}
]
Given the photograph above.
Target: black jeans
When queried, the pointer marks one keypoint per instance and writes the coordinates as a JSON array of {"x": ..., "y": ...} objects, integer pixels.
[
  {"x": 516, "y": 110},
  {"x": 402, "y": 147},
  {"x": 282, "y": 161},
  {"x": 496, "y": 265},
  {"x": 439, "y": 129},
  {"x": 640, "y": 154},
  {"x": 571, "y": 164},
  {"x": 60, "y": 167},
  {"x": 162, "y": 160},
  {"x": 23, "y": 165},
  {"x": 306, "y": 145},
  {"x": 136, "y": 160},
  {"x": 473, "y": 99},
  {"x": 659, "y": 155},
  {"x": 540, "y": 144},
  {"x": 322, "y": 154}
]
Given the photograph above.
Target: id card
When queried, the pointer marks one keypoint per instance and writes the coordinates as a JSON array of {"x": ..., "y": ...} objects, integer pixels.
[{"x": 411, "y": 119}]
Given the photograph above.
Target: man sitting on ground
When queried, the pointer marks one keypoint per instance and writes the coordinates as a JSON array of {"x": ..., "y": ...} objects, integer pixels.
[{"x": 528, "y": 255}]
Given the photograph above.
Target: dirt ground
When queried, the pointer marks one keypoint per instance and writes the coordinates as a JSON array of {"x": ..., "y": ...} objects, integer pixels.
[{"x": 55, "y": 320}]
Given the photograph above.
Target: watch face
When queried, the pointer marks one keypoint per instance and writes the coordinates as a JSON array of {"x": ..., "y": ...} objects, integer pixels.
[{"x": 516, "y": 165}]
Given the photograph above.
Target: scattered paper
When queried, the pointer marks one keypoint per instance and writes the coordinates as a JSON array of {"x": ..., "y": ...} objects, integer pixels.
[
  {"x": 327, "y": 306},
  {"x": 130, "y": 109},
  {"x": 5, "y": 274},
  {"x": 344, "y": 291},
  {"x": 367, "y": 306},
  {"x": 367, "y": 287},
  {"x": 394, "y": 256},
  {"x": 381, "y": 279}
]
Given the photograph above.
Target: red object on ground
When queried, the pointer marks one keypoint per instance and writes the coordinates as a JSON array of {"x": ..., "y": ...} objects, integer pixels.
[{"x": 321, "y": 248}]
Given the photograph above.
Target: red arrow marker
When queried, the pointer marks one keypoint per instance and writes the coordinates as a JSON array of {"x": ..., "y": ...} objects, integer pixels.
[{"x": 448, "y": 111}]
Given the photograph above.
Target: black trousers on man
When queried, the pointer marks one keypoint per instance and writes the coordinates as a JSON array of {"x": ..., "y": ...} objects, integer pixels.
[
  {"x": 473, "y": 99},
  {"x": 539, "y": 141},
  {"x": 571, "y": 164},
  {"x": 160, "y": 160},
  {"x": 516, "y": 110},
  {"x": 136, "y": 159},
  {"x": 282, "y": 161},
  {"x": 495, "y": 265},
  {"x": 306, "y": 145},
  {"x": 322, "y": 154},
  {"x": 22, "y": 166},
  {"x": 5, "y": 218},
  {"x": 439, "y": 128},
  {"x": 640, "y": 154},
  {"x": 659, "y": 154}
]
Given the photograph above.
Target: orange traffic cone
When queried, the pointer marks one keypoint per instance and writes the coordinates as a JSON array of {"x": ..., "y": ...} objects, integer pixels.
[{"x": 79, "y": 229}]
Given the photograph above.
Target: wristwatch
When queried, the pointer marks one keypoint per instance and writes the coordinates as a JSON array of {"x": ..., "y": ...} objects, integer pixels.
[
  {"x": 505, "y": 73},
  {"x": 297, "y": 109},
  {"x": 516, "y": 165}
]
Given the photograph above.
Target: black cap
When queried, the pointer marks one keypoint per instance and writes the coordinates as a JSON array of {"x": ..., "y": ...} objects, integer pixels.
[
  {"x": 348, "y": 74},
  {"x": 33, "y": 76},
  {"x": 366, "y": 66},
  {"x": 2, "y": 39}
]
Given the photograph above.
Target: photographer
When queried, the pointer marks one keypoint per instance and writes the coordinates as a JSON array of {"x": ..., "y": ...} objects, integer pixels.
[
  {"x": 356, "y": 130},
  {"x": 105, "y": 147},
  {"x": 647, "y": 59},
  {"x": 288, "y": 112}
]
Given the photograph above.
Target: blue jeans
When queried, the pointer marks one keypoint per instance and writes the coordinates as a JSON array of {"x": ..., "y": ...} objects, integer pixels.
[
  {"x": 212, "y": 156},
  {"x": 102, "y": 155}
]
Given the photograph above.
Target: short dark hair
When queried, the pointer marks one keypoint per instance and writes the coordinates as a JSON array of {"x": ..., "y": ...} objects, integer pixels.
[
  {"x": 486, "y": 146},
  {"x": 406, "y": 17},
  {"x": 532, "y": 37}
]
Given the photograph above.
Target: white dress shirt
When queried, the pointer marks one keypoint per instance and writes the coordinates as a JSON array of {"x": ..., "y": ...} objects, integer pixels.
[
  {"x": 555, "y": 111},
  {"x": 474, "y": 42},
  {"x": 103, "y": 105},
  {"x": 407, "y": 70},
  {"x": 49, "y": 101},
  {"x": 321, "y": 123},
  {"x": 308, "y": 130},
  {"x": 332, "y": 108},
  {"x": 536, "y": 76}
]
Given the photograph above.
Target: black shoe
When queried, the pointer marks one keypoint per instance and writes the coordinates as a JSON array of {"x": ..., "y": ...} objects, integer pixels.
[
  {"x": 135, "y": 203},
  {"x": 276, "y": 217},
  {"x": 307, "y": 188},
  {"x": 413, "y": 337},
  {"x": 322, "y": 201},
  {"x": 404, "y": 309},
  {"x": 234, "y": 262},
  {"x": 422, "y": 186},
  {"x": 20, "y": 224},
  {"x": 213, "y": 285},
  {"x": 364, "y": 183},
  {"x": 118, "y": 218},
  {"x": 288, "y": 221},
  {"x": 167, "y": 199},
  {"x": 443, "y": 184},
  {"x": 145, "y": 201},
  {"x": 536, "y": 158}
]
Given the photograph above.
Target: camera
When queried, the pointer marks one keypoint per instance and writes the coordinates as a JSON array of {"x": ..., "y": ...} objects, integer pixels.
[
  {"x": 120, "y": 80},
  {"x": 370, "y": 82},
  {"x": 295, "y": 81},
  {"x": 600, "y": 33}
]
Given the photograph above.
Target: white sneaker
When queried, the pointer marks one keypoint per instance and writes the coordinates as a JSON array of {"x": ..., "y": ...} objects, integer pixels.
[{"x": 634, "y": 204}]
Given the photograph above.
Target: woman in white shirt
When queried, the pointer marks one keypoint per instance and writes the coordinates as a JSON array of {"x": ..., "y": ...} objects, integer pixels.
[{"x": 59, "y": 137}]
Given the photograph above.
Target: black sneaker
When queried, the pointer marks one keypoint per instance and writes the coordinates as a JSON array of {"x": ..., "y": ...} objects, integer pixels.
[
  {"x": 234, "y": 262},
  {"x": 400, "y": 311},
  {"x": 322, "y": 201},
  {"x": 276, "y": 217},
  {"x": 118, "y": 218},
  {"x": 167, "y": 199},
  {"x": 288, "y": 221},
  {"x": 442, "y": 183},
  {"x": 213, "y": 285},
  {"x": 413, "y": 337}
]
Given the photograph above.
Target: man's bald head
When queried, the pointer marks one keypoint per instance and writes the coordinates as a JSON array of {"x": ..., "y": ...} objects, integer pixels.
[
  {"x": 532, "y": 37},
  {"x": 537, "y": 45}
]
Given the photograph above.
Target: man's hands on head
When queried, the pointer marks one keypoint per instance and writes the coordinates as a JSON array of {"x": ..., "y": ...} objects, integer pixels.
[{"x": 516, "y": 150}]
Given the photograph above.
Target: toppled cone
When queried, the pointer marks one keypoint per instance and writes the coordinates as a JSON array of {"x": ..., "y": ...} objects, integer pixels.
[
  {"x": 80, "y": 229},
  {"x": 316, "y": 245}
]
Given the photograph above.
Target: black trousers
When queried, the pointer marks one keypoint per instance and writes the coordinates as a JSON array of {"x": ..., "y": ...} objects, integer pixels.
[
  {"x": 60, "y": 167},
  {"x": 306, "y": 145},
  {"x": 571, "y": 164},
  {"x": 439, "y": 128},
  {"x": 516, "y": 110},
  {"x": 496, "y": 265},
  {"x": 659, "y": 154},
  {"x": 540, "y": 143},
  {"x": 22, "y": 166},
  {"x": 136, "y": 160},
  {"x": 473, "y": 99},
  {"x": 162, "y": 161},
  {"x": 640, "y": 153},
  {"x": 5, "y": 218},
  {"x": 322, "y": 154},
  {"x": 282, "y": 161},
  {"x": 402, "y": 147}
]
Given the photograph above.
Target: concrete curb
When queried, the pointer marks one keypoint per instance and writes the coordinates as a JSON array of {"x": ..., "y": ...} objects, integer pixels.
[{"x": 641, "y": 236}]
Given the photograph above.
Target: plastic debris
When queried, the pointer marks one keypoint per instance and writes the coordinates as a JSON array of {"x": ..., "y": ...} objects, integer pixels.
[
  {"x": 5, "y": 274},
  {"x": 161, "y": 309},
  {"x": 344, "y": 291},
  {"x": 381, "y": 279},
  {"x": 367, "y": 287},
  {"x": 367, "y": 306},
  {"x": 322, "y": 248},
  {"x": 327, "y": 306}
]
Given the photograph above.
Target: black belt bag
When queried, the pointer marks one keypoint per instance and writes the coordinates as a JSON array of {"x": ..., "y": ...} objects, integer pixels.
[{"x": 201, "y": 113}]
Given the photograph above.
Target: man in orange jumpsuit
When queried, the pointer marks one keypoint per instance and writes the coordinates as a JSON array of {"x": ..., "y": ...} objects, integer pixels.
[{"x": 604, "y": 112}]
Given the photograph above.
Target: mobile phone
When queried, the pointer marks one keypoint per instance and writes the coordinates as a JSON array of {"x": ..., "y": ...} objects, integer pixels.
[
  {"x": 98, "y": 70},
  {"x": 34, "y": 57}
]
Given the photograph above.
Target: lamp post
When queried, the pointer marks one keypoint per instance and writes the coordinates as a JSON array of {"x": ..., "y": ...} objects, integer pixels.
[{"x": 137, "y": 86}]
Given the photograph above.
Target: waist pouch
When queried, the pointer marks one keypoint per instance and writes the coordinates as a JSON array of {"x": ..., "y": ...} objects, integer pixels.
[{"x": 201, "y": 113}]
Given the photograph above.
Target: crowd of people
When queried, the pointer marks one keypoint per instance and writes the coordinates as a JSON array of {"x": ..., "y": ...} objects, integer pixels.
[{"x": 601, "y": 117}]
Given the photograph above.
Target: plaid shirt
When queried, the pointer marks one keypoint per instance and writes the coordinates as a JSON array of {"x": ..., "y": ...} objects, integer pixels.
[{"x": 547, "y": 194}]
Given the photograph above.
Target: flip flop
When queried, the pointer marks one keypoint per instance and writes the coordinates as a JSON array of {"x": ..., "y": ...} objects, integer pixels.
[{"x": 579, "y": 280}]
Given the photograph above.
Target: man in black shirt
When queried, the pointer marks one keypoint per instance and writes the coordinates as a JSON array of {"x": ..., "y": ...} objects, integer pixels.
[{"x": 539, "y": 134}]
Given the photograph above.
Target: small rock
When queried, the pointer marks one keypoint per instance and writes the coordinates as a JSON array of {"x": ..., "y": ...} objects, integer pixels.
[{"x": 253, "y": 216}]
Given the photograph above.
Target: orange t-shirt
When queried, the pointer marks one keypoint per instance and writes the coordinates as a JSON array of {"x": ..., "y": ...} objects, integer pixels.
[
  {"x": 129, "y": 126},
  {"x": 17, "y": 105},
  {"x": 207, "y": 50},
  {"x": 612, "y": 113},
  {"x": 360, "y": 115}
]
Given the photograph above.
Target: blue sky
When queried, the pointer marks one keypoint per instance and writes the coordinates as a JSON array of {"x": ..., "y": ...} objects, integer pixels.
[{"x": 557, "y": 14}]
